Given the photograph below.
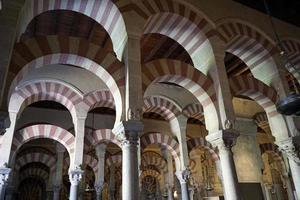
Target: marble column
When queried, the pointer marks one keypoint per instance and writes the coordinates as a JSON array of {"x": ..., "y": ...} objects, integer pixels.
[
  {"x": 100, "y": 152},
  {"x": 183, "y": 177},
  {"x": 295, "y": 170},
  {"x": 267, "y": 191},
  {"x": 56, "y": 192},
  {"x": 170, "y": 192},
  {"x": 75, "y": 177},
  {"x": 288, "y": 147},
  {"x": 79, "y": 126},
  {"x": 57, "y": 182},
  {"x": 4, "y": 175},
  {"x": 288, "y": 186},
  {"x": 224, "y": 140},
  {"x": 169, "y": 177},
  {"x": 128, "y": 132},
  {"x": 178, "y": 127}
]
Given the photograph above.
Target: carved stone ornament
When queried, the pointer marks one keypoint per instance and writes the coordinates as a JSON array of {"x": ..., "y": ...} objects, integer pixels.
[
  {"x": 288, "y": 147},
  {"x": 98, "y": 188},
  {"x": 4, "y": 175},
  {"x": 127, "y": 132},
  {"x": 4, "y": 122},
  {"x": 134, "y": 114},
  {"x": 228, "y": 124},
  {"x": 75, "y": 175},
  {"x": 183, "y": 176},
  {"x": 223, "y": 139}
]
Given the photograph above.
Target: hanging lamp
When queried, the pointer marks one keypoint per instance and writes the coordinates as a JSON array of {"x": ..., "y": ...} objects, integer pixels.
[{"x": 289, "y": 105}]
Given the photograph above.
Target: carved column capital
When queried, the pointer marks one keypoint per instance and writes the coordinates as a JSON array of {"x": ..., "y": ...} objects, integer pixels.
[
  {"x": 99, "y": 187},
  {"x": 183, "y": 175},
  {"x": 223, "y": 139},
  {"x": 128, "y": 132},
  {"x": 75, "y": 176},
  {"x": 4, "y": 175},
  {"x": 4, "y": 122},
  {"x": 291, "y": 148}
]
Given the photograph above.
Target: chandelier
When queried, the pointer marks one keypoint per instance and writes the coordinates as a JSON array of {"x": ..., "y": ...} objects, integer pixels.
[{"x": 290, "y": 105}]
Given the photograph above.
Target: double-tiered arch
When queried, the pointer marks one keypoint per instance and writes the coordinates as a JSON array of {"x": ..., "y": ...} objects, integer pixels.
[
  {"x": 38, "y": 52},
  {"x": 251, "y": 45},
  {"x": 266, "y": 97},
  {"x": 186, "y": 76}
]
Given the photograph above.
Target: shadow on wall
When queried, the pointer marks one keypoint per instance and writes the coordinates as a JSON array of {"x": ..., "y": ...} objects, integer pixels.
[{"x": 251, "y": 191}]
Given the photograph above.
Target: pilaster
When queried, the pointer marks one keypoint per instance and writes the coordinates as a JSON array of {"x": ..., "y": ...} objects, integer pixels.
[
  {"x": 79, "y": 126},
  {"x": 132, "y": 60},
  {"x": 247, "y": 155},
  {"x": 57, "y": 182},
  {"x": 100, "y": 152},
  {"x": 180, "y": 133}
]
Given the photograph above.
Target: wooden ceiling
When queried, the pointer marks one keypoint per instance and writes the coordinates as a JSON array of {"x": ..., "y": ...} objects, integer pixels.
[
  {"x": 68, "y": 23},
  {"x": 155, "y": 46}
]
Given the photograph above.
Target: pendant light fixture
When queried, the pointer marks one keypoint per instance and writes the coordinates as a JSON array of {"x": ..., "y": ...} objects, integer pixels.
[{"x": 290, "y": 105}]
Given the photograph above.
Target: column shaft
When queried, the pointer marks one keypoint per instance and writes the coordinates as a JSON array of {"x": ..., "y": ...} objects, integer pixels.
[
  {"x": 73, "y": 192},
  {"x": 75, "y": 177},
  {"x": 230, "y": 181},
  {"x": 56, "y": 194},
  {"x": 184, "y": 191},
  {"x": 2, "y": 191},
  {"x": 170, "y": 193},
  {"x": 130, "y": 189},
  {"x": 128, "y": 132},
  {"x": 295, "y": 170}
]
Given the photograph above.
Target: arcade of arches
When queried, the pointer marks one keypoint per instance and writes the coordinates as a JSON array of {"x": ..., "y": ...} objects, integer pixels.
[{"x": 146, "y": 99}]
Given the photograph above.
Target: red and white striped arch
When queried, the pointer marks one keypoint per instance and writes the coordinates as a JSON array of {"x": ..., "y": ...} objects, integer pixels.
[
  {"x": 185, "y": 75},
  {"x": 43, "y": 131},
  {"x": 292, "y": 49},
  {"x": 266, "y": 97},
  {"x": 101, "y": 136},
  {"x": 178, "y": 21},
  {"x": 201, "y": 142},
  {"x": 114, "y": 160},
  {"x": 252, "y": 46},
  {"x": 104, "y": 12},
  {"x": 45, "y": 90},
  {"x": 161, "y": 106},
  {"x": 46, "y": 50},
  {"x": 195, "y": 111},
  {"x": 34, "y": 172},
  {"x": 165, "y": 140},
  {"x": 97, "y": 99},
  {"x": 152, "y": 158},
  {"x": 44, "y": 158}
]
